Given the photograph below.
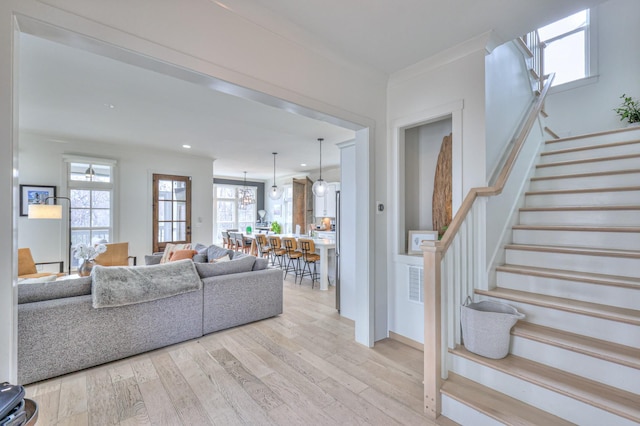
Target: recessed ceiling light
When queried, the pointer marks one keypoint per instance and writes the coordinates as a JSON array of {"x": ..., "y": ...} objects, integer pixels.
[
  {"x": 303, "y": 164},
  {"x": 186, "y": 146},
  {"x": 110, "y": 106}
]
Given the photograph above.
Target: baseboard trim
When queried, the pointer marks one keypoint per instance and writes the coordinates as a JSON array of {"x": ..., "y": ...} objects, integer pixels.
[{"x": 409, "y": 342}]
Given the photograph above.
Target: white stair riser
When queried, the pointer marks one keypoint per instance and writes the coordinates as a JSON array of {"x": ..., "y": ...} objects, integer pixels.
[
  {"x": 626, "y": 267},
  {"x": 605, "y": 181},
  {"x": 582, "y": 218},
  {"x": 622, "y": 297},
  {"x": 465, "y": 415},
  {"x": 609, "y": 373},
  {"x": 598, "y": 328},
  {"x": 589, "y": 167},
  {"x": 592, "y": 199},
  {"x": 629, "y": 135},
  {"x": 591, "y": 153},
  {"x": 547, "y": 400},
  {"x": 594, "y": 239}
]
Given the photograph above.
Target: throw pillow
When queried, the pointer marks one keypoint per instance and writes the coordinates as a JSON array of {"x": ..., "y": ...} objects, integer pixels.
[
  {"x": 215, "y": 252},
  {"x": 206, "y": 270},
  {"x": 224, "y": 258},
  {"x": 182, "y": 254},
  {"x": 170, "y": 248},
  {"x": 200, "y": 248}
]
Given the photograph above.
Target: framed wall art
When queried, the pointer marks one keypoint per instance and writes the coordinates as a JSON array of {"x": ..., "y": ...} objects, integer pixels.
[
  {"x": 35, "y": 194},
  {"x": 417, "y": 237}
]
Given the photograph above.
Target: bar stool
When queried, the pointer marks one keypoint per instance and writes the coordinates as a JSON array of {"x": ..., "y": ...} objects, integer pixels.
[
  {"x": 277, "y": 252},
  {"x": 263, "y": 246},
  {"x": 309, "y": 256},
  {"x": 293, "y": 257}
]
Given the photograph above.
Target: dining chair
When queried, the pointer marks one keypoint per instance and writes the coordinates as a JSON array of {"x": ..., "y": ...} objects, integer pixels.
[
  {"x": 277, "y": 252},
  {"x": 241, "y": 244},
  {"x": 293, "y": 257},
  {"x": 309, "y": 257},
  {"x": 226, "y": 240}
]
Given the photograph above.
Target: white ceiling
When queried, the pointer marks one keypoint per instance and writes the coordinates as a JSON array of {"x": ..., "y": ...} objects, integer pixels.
[{"x": 65, "y": 92}]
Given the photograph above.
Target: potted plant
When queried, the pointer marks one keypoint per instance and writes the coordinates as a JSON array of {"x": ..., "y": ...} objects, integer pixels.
[
  {"x": 629, "y": 110},
  {"x": 275, "y": 227}
]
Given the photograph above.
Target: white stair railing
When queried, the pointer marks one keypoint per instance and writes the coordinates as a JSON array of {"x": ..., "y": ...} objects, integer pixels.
[{"x": 456, "y": 265}]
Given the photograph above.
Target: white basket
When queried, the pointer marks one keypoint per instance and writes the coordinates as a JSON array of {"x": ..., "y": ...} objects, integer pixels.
[{"x": 486, "y": 327}]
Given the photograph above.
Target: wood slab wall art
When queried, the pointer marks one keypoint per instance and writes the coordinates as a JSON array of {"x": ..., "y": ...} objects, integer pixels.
[{"x": 442, "y": 187}]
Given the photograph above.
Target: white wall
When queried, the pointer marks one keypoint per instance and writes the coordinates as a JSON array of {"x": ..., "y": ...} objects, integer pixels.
[
  {"x": 589, "y": 108},
  {"x": 204, "y": 37},
  {"x": 40, "y": 161},
  {"x": 508, "y": 96},
  {"x": 442, "y": 85}
]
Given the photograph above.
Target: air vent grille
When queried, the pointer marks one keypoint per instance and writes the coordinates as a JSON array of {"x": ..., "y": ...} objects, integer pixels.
[{"x": 415, "y": 284}]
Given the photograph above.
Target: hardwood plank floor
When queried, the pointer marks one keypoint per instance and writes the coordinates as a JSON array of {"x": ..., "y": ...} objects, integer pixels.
[{"x": 302, "y": 367}]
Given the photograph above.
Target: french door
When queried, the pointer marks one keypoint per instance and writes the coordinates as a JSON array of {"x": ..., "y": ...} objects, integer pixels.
[{"x": 171, "y": 210}]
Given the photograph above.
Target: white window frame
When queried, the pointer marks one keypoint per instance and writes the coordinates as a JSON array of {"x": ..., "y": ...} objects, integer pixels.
[
  {"x": 89, "y": 185},
  {"x": 236, "y": 207},
  {"x": 591, "y": 54}
]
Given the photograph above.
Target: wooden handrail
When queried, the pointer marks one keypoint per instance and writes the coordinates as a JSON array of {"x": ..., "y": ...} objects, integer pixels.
[{"x": 498, "y": 187}]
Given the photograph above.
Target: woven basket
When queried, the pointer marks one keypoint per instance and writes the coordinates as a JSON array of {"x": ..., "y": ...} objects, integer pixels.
[{"x": 486, "y": 327}]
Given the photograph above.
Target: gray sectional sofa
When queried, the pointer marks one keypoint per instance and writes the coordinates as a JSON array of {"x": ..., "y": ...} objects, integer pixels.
[{"x": 60, "y": 330}]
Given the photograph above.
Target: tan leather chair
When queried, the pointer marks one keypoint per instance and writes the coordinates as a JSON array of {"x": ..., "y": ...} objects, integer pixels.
[
  {"x": 293, "y": 257},
  {"x": 117, "y": 254},
  {"x": 309, "y": 256},
  {"x": 27, "y": 267},
  {"x": 277, "y": 252},
  {"x": 263, "y": 245}
]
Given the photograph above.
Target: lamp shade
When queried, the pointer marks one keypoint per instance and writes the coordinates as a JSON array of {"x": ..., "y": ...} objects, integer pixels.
[
  {"x": 45, "y": 211},
  {"x": 275, "y": 192},
  {"x": 319, "y": 188}
]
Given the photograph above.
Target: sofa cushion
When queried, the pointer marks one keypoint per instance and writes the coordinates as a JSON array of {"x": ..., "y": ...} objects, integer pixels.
[
  {"x": 170, "y": 248},
  {"x": 216, "y": 252},
  {"x": 235, "y": 266},
  {"x": 200, "y": 248},
  {"x": 224, "y": 258},
  {"x": 182, "y": 254},
  {"x": 200, "y": 258},
  {"x": 35, "y": 280},
  {"x": 260, "y": 264},
  {"x": 152, "y": 259},
  {"x": 54, "y": 290}
]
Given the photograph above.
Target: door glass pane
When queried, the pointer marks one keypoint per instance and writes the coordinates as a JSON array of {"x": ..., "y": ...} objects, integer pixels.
[
  {"x": 99, "y": 236},
  {"x": 563, "y": 26},
  {"x": 78, "y": 171},
  {"x": 101, "y": 173},
  {"x": 180, "y": 191},
  {"x": 164, "y": 189},
  {"x": 180, "y": 212},
  {"x": 164, "y": 210},
  {"x": 164, "y": 232},
  {"x": 179, "y": 231}
]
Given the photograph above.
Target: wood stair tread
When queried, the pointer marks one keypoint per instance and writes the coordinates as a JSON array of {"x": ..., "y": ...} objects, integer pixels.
[
  {"x": 578, "y": 208},
  {"x": 608, "y": 398},
  {"x": 583, "y": 190},
  {"x": 608, "y": 351},
  {"x": 579, "y": 228},
  {"x": 496, "y": 405},
  {"x": 612, "y": 313},
  {"x": 590, "y": 147},
  {"x": 590, "y": 135},
  {"x": 585, "y": 175},
  {"x": 561, "y": 274},
  {"x": 587, "y": 251},
  {"x": 587, "y": 160}
]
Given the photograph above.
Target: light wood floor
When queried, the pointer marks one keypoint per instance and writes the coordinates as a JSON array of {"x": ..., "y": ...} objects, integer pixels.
[{"x": 302, "y": 367}]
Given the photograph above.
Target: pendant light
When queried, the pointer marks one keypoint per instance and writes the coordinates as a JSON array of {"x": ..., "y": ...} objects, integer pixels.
[
  {"x": 246, "y": 197},
  {"x": 320, "y": 186},
  {"x": 275, "y": 193}
]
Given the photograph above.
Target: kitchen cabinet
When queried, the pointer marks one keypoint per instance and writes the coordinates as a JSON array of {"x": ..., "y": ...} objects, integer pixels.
[{"x": 326, "y": 206}]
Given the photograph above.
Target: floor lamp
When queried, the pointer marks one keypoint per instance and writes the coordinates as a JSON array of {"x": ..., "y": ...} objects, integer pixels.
[{"x": 52, "y": 211}]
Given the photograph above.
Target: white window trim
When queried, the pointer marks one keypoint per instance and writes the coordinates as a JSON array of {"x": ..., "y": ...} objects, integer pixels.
[
  {"x": 216, "y": 230},
  {"x": 113, "y": 186}
]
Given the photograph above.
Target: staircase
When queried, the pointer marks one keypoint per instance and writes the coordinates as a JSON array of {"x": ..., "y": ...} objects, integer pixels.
[{"x": 574, "y": 269}]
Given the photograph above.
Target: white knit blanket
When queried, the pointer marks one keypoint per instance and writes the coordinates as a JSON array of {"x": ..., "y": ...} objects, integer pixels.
[{"x": 125, "y": 285}]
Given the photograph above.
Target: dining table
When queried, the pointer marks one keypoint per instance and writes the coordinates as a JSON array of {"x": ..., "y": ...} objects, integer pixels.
[{"x": 323, "y": 248}]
